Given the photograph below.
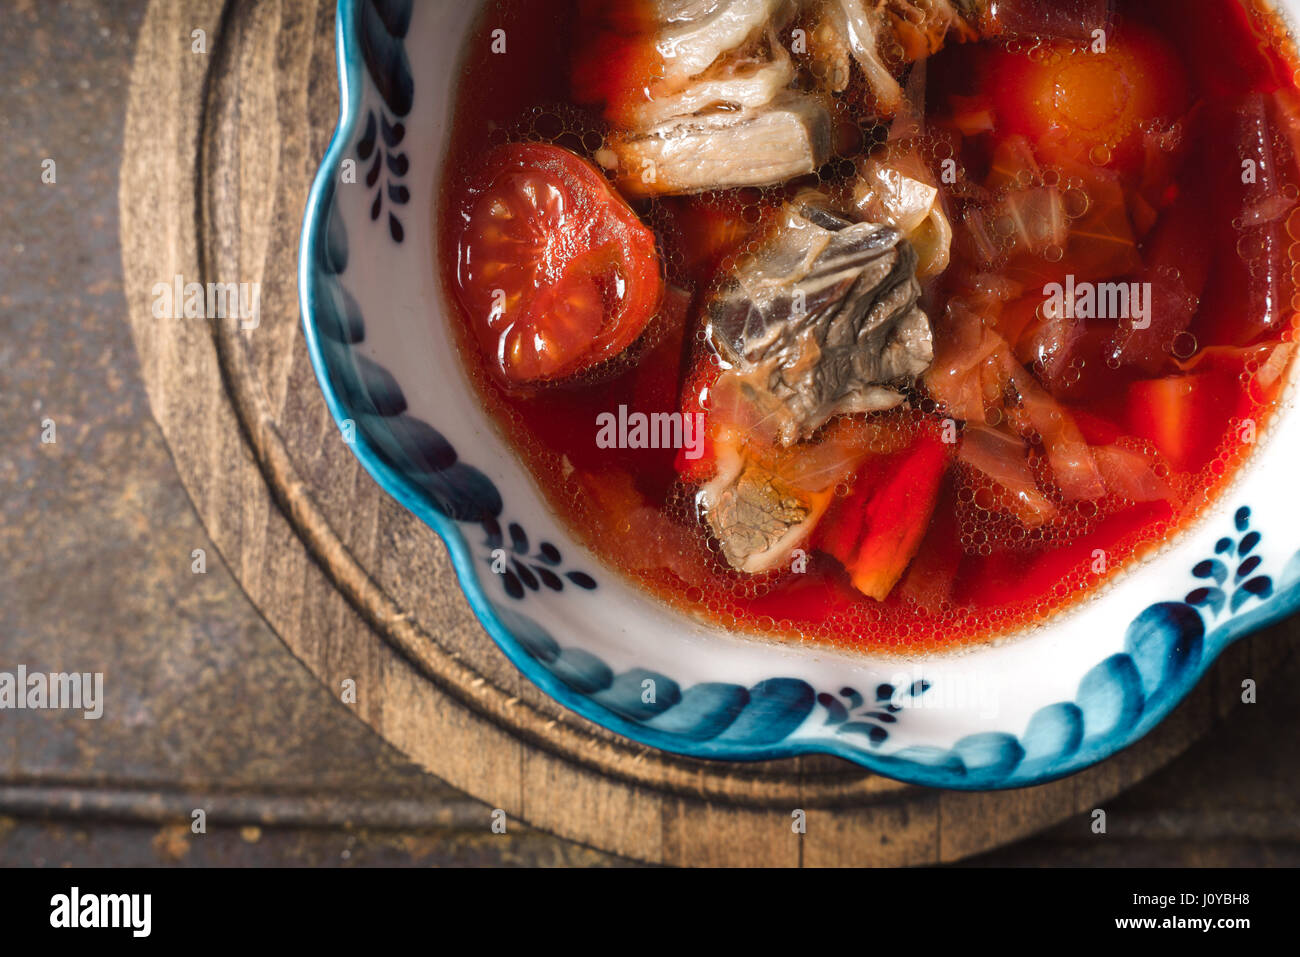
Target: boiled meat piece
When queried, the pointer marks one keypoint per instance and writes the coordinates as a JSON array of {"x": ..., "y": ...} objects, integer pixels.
[
  {"x": 694, "y": 33},
  {"x": 722, "y": 149},
  {"x": 854, "y": 28},
  {"x": 763, "y": 500},
  {"x": 721, "y": 114},
  {"x": 749, "y": 77},
  {"x": 756, "y": 516},
  {"x": 823, "y": 320}
]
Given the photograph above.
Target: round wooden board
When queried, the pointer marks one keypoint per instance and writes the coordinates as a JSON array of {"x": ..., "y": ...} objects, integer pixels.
[{"x": 221, "y": 146}]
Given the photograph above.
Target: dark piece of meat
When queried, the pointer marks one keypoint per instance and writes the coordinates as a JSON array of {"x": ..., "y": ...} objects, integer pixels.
[{"x": 823, "y": 320}]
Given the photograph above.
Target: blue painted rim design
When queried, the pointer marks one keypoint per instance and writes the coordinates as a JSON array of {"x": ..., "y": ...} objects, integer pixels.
[{"x": 1167, "y": 650}]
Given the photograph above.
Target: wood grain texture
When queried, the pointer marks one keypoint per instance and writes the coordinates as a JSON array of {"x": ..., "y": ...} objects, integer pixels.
[{"x": 221, "y": 149}]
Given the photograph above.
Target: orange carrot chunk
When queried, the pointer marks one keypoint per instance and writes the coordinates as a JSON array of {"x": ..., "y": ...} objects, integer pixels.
[
  {"x": 877, "y": 529},
  {"x": 1184, "y": 416}
]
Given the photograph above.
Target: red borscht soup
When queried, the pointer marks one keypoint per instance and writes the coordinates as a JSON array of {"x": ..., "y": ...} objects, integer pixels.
[{"x": 890, "y": 324}]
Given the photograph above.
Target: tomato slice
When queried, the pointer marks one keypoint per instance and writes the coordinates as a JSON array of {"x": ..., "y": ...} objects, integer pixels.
[{"x": 554, "y": 269}]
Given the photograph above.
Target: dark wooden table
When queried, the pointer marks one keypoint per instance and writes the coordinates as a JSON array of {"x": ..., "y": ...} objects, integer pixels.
[{"x": 210, "y": 709}]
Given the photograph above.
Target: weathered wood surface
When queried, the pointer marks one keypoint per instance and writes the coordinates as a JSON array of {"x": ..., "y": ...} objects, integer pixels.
[{"x": 221, "y": 148}]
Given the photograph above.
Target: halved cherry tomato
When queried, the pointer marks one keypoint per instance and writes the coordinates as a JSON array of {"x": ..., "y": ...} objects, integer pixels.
[{"x": 554, "y": 268}]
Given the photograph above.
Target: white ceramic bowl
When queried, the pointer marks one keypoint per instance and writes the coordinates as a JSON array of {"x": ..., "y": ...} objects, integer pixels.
[{"x": 1036, "y": 706}]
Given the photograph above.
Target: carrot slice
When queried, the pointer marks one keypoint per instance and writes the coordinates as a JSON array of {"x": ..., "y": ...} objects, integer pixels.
[
  {"x": 876, "y": 531},
  {"x": 1185, "y": 416}
]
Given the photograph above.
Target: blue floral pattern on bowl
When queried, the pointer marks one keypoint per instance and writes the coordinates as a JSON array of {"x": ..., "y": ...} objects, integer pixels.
[{"x": 1116, "y": 667}]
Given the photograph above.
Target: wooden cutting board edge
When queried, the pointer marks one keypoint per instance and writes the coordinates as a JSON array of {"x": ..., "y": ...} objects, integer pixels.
[{"x": 225, "y": 439}]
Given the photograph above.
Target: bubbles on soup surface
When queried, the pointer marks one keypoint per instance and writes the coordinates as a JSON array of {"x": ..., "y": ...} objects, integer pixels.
[{"x": 673, "y": 555}]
